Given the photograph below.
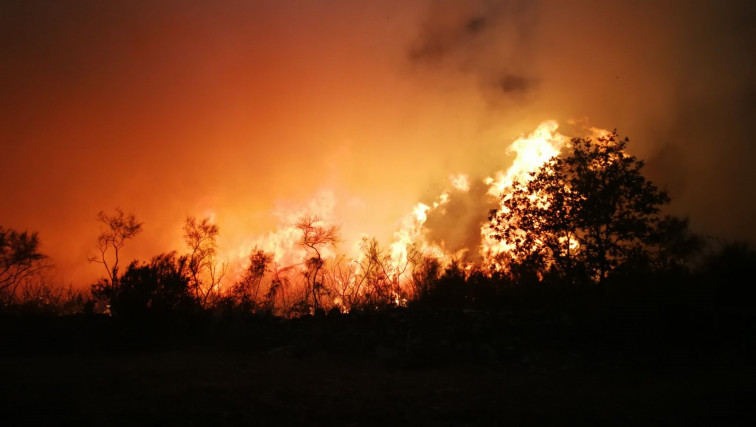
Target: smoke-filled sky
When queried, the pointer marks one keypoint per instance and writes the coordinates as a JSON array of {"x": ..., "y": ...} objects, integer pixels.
[{"x": 249, "y": 110}]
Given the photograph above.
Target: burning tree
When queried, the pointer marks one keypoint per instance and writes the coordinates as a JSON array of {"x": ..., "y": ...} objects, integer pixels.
[
  {"x": 582, "y": 214},
  {"x": 315, "y": 238},
  {"x": 246, "y": 292},
  {"x": 371, "y": 281}
]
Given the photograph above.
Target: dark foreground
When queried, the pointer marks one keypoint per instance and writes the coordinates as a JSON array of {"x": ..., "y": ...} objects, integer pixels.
[
  {"x": 385, "y": 370},
  {"x": 215, "y": 389}
]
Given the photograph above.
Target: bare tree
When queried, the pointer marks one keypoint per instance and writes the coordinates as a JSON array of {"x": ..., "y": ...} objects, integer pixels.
[
  {"x": 315, "y": 238},
  {"x": 371, "y": 281},
  {"x": 115, "y": 230},
  {"x": 345, "y": 282},
  {"x": 278, "y": 294},
  {"x": 246, "y": 291},
  {"x": 200, "y": 237},
  {"x": 20, "y": 259}
]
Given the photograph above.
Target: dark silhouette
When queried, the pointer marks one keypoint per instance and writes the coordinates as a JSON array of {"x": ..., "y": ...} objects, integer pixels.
[
  {"x": 730, "y": 271},
  {"x": 115, "y": 230},
  {"x": 246, "y": 294},
  {"x": 372, "y": 283},
  {"x": 20, "y": 259},
  {"x": 162, "y": 286},
  {"x": 200, "y": 237},
  {"x": 599, "y": 284},
  {"x": 584, "y": 214},
  {"x": 315, "y": 237}
]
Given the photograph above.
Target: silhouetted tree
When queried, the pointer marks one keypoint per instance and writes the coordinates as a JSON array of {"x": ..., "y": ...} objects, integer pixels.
[
  {"x": 673, "y": 246},
  {"x": 450, "y": 289},
  {"x": 345, "y": 283},
  {"x": 162, "y": 286},
  {"x": 115, "y": 230},
  {"x": 374, "y": 281},
  {"x": 582, "y": 214},
  {"x": 20, "y": 259},
  {"x": 200, "y": 237},
  {"x": 277, "y": 297},
  {"x": 425, "y": 274},
  {"x": 314, "y": 238},
  {"x": 246, "y": 292}
]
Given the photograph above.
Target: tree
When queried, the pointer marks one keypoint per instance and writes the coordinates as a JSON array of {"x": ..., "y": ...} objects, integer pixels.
[
  {"x": 246, "y": 291},
  {"x": 314, "y": 238},
  {"x": 161, "y": 286},
  {"x": 20, "y": 259},
  {"x": 200, "y": 237},
  {"x": 368, "y": 282},
  {"x": 115, "y": 230},
  {"x": 380, "y": 276},
  {"x": 582, "y": 214}
]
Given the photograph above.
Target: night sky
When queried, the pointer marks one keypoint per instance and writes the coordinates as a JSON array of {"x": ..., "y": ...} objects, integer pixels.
[{"x": 249, "y": 111}]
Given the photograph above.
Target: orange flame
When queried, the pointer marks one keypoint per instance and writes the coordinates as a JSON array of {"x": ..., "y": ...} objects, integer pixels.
[{"x": 530, "y": 151}]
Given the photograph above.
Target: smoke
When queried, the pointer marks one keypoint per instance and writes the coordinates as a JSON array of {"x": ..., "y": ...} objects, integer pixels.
[
  {"x": 488, "y": 40},
  {"x": 456, "y": 226},
  {"x": 674, "y": 76},
  {"x": 169, "y": 109}
]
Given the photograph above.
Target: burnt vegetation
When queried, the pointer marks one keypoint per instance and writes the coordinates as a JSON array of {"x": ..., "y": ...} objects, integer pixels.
[{"x": 596, "y": 275}]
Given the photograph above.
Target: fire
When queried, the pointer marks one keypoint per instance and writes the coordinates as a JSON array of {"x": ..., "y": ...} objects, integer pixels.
[
  {"x": 283, "y": 243},
  {"x": 460, "y": 182},
  {"x": 531, "y": 152},
  {"x": 346, "y": 266}
]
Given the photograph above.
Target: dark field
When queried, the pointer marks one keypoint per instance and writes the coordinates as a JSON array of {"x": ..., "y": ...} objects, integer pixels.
[
  {"x": 374, "y": 370},
  {"x": 203, "y": 389}
]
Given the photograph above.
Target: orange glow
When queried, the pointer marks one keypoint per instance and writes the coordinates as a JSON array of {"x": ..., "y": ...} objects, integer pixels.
[
  {"x": 383, "y": 118},
  {"x": 410, "y": 240},
  {"x": 531, "y": 151}
]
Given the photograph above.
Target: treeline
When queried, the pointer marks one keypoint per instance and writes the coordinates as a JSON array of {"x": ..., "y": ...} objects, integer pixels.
[
  {"x": 717, "y": 274},
  {"x": 585, "y": 229}
]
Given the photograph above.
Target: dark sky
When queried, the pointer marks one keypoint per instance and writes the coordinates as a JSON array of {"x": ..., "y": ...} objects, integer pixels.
[{"x": 256, "y": 111}]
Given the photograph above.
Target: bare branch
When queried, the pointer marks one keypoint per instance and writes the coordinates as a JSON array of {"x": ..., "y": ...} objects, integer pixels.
[{"x": 115, "y": 230}]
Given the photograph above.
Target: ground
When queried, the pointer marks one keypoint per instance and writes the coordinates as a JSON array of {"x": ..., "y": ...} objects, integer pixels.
[{"x": 375, "y": 371}]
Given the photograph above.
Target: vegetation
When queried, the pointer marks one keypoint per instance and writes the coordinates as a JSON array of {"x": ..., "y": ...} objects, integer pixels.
[
  {"x": 200, "y": 237},
  {"x": 162, "y": 286},
  {"x": 597, "y": 280},
  {"x": 585, "y": 215},
  {"x": 246, "y": 294},
  {"x": 20, "y": 261},
  {"x": 114, "y": 232},
  {"x": 586, "y": 225},
  {"x": 315, "y": 237}
]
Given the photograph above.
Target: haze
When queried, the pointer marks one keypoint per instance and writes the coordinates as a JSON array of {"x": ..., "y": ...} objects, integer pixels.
[{"x": 245, "y": 111}]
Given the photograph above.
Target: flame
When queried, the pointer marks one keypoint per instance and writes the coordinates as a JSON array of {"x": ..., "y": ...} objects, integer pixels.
[
  {"x": 409, "y": 241},
  {"x": 460, "y": 182},
  {"x": 531, "y": 152}
]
